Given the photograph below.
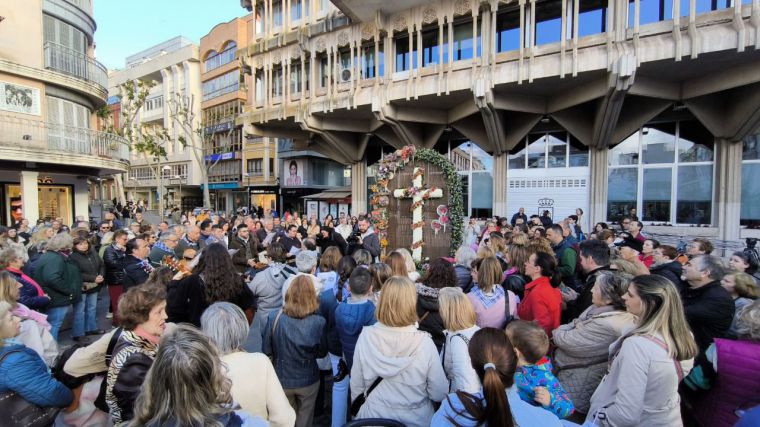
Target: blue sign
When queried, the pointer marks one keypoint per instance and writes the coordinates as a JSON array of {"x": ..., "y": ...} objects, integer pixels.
[
  {"x": 221, "y": 127},
  {"x": 222, "y": 186},
  {"x": 223, "y": 156}
]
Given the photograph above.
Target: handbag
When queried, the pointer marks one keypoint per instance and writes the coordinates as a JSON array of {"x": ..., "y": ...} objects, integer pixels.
[
  {"x": 356, "y": 405},
  {"x": 19, "y": 412}
]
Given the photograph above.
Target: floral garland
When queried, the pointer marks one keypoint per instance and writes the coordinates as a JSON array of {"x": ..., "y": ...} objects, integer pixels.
[{"x": 380, "y": 197}]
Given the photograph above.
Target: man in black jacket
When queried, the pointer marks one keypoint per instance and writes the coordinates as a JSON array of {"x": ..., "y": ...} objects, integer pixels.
[
  {"x": 368, "y": 239},
  {"x": 595, "y": 258},
  {"x": 666, "y": 265},
  {"x": 113, "y": 258},
  {"x": 709, "y": 308},
  {"x": 519, "y": 215},
  {"x": 136, "y": 265},
  {"x": 247, "y": 249},
  {"x": 328, "y": 237}
]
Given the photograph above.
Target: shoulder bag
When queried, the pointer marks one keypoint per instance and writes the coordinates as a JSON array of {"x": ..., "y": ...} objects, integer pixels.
[
  {"x": 356, "y": 405},
  {"x": 19, "y": 412}
]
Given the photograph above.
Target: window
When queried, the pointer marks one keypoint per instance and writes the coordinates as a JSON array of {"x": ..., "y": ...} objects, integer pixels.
[
  {"x": 508, "y": 31},
  {"x": 323, "y": 70},
  {"x": 463, "y": 41},
  {"x": 548, "y": 150},
  {"x": 368, "y": 61},
  {"x": 146, "y": 172},
  {"x": 548, "y": 22},
  {"x": 217, "y": 59},
  {"x": 663, "y": 186},
  {"x": 750, "y": 211},
  {"x": 154, "y": 103},
  {"x": 277, "y": 82},
  {"x": 259, "y": 86},
  {"x": 66, "y": 118},
  {"x": 277, "y": 13},
  {"x": 255, "y": 167},
  {"x": 295, "y": 10},
  {"x": 475, "y": 168},
  {"x": 63, "y": 34},
  {"x": 592, "y": 17},
  {"x": 403, "y": 59},
  {"x": 295, "y": 77},
  {"x": 430, "y": 47},
  {"x": 221, "y": 85}
]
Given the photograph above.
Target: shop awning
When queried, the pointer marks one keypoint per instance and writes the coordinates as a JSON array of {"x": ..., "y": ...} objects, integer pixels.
[{"x": 334, "y": 194}]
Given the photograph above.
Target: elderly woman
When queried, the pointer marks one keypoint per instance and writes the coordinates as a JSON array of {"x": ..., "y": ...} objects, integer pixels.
[
  {"x": 31, "y": 293},
  {"x": 583, "y": 345},
  {"x": 59, "y": 277},
  {"x": 463, "y": 258},
  {"x": 295, "y": 338},
  {"x": 23, "y": 371},
  {"x": 142, "y": 312},
  {"x": 398, "y": 362},
  {"x": 92, "y": 270},
  {"x": 34, "y": 326},
  {"x": 743, "y": 290},
  {"x": 187, "y": 386},
  {"x": 226, "y": 325}
]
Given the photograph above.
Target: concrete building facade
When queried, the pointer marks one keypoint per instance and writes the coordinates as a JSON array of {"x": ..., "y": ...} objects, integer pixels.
[
  {"x": 52, "y": 87},
  {"x": 174, "y": 65},
  {"x": 599, "y": 105}
]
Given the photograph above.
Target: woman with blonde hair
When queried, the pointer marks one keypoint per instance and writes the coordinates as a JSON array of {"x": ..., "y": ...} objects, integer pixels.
[
  {"x": 494, "y": 307},
  {"x": 459, "y": 320},
  {"x": 743, "y": 289},
  {"x": 485, "y": 252},
  {"x": 295, "y": 338},
  {"x": 397, "y": 367},
  {"x": 647, "y": 363},
  {"x": 411, "y": 267},
  {"x": 186, "y": 386}
]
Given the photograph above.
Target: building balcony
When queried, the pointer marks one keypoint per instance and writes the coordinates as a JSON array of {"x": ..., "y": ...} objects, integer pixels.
[
  {"x": 77, "y": 64},
  {"x": 84, "y": 5},
  {"x": 51, "y": 143}
]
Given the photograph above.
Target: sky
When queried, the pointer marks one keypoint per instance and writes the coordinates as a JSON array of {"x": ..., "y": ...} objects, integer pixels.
[{"x": 128, "y": 27}]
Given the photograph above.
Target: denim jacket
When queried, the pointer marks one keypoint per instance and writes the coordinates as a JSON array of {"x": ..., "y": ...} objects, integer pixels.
[{"x": 295, "y": 348}]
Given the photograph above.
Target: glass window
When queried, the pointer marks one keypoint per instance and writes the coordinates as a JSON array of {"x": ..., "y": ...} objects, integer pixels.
[
  {"x": 463, "y": 41},
  {"x": 657, "y": 184},
  {"x": 460, "y": 157},
  {"x": 622, "y": 191},
  {"x": 482, "y": 180},
  {"x": 578, "y": 153},
  {"x": 277, "y": 82},
  {"x": 695, "y": 143},
  {"x": 548, "y": 22},
  {"x": 536, "y": 151},
  {"x": 592, "y": 17},
  {"x": 295, "y": 10},
  {"x": 221, "y": 85},
  {"x": 508, "y": 31},
  {"x": 751, "y": 148},
  {"x": 750, "y": 212},
  {"x": 368, "y": 61},
  {"x": 649, "y": 11},
  {"x": 217, "y": 59},
  {"x": 625, "y": 153},
  {"x": 517, "y": 160},
  {"x": 694, "y": 195},
  {"x": 295, "y": 77},
  {"x": 658, "y": 142},
  {"x": 277, "y": 13},
  {"x": 403, "y": 59},
  {"x": 557, "y": 149},
  {"x": 259, "y": 86},
  {"x": 430, "y": 47},
  {"x": 323, "y": 69}
]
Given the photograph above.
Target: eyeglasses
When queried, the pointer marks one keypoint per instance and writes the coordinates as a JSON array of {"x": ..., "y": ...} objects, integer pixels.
[
  {"x": 187, "y": 258},
  {"x": 105, "y": 228}
]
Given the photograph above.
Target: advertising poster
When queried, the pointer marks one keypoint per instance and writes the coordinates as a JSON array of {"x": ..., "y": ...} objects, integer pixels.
[
  {"x": 19, "y": 99},
  {"x": 293, "y": 173}
]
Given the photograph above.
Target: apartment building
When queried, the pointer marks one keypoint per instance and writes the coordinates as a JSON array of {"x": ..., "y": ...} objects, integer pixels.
[
  {"x": 52, "y": 87},
  {"x": 174, "y": 65}
]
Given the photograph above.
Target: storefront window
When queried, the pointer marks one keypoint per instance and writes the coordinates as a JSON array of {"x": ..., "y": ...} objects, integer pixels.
[
  {"x": 750, "y": 212},
  {"x": 475, "y": 168},
  {"x": 694, "y": 194},
  {"x": 658, "y": 143},
  {"x": 657, "y": 184},
  {"x": 621, "y": 197},
  {"x": 55, "y": 201}
]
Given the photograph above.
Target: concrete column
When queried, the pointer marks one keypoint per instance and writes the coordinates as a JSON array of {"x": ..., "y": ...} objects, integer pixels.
[
  {"x": 82, "y": 199},
  {"x": 30, "y": 200},
  {"x": 728, "y": 187},
  {"x": 359, "y": 187},
  {"x": 598, "y": 186},
  {"x": 265, "y": 166},
  {"x": 500, "y": 184}
]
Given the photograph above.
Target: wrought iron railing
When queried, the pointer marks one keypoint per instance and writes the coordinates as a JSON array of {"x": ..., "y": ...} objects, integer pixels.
[
  {"x": 78, "y": 64},
  {"x": 57, "y": 138}
]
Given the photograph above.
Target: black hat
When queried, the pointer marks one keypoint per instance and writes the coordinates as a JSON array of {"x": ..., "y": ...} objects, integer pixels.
[{"x": 630, "y": 243}]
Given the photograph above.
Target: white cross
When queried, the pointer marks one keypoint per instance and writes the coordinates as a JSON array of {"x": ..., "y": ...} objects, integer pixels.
[{"x": 418, "y": 194}]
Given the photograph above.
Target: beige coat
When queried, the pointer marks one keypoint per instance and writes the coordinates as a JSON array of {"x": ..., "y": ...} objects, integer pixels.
[
  {"x": 256, "y": 388},
  {"x": 582, "y": 351}
]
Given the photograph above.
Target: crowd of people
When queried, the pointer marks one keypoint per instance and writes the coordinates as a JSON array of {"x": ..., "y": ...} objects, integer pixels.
[{"x": 283, "y": 321}]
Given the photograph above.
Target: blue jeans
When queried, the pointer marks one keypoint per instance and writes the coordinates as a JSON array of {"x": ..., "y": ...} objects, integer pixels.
[
  {"x": 90, "y": 311},
  {"x": 55, "y": 318},
  {"x": 339, "y": 395},
  {"x": 77, "y": 326}
]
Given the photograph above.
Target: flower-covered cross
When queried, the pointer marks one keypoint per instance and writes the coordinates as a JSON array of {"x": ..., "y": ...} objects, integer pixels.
[{"x": 418, "y": 194}]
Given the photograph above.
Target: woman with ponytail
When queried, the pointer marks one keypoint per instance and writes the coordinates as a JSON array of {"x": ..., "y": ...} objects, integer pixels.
[
  {"x": 542, "y": 301},
  {"x": 647, "y": 363},
  {"x": 497, "y": 404}
]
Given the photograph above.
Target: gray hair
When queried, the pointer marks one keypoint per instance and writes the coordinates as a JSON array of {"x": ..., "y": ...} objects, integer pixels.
[
  {"x": 166, "y": 236},
  {"x": 362, "y": 257},
  {"x": 306, "y": 261},
  {"x": 107, "y": 238},
  {"x": 748, "y": 322},
  {"x": 226, "y": 325},
  {"x": 612, "y": 287},
  {"x": 60, "y": 241},
  {"x": 465, "y": 256},
  {"x": 710, "y": 263},
  {"x": 7, "y": 256}
]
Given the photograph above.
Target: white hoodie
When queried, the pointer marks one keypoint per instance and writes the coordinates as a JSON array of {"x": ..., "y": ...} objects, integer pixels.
[{"x": 408, "y": 362}]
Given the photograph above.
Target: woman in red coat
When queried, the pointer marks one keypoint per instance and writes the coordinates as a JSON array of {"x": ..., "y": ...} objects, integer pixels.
[{"x": 542, "y": 302}]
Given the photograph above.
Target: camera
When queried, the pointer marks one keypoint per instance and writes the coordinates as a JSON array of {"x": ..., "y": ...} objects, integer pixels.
[{"x": 354, "y": 237}]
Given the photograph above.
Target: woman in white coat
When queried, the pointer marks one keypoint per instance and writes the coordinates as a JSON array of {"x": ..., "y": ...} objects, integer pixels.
[
  {"x": 459, "y": 320},
  {"x": 405, "y": 358},
  {"x": 648, "y": 362}
]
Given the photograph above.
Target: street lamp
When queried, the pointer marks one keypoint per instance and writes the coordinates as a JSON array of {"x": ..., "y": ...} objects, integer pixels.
[
  {"x": 164, "y": 171},
  {"x": 248, "y": 189}
]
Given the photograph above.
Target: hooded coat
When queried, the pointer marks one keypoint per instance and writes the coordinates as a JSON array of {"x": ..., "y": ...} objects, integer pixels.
[{"x": 409, "y": 364}]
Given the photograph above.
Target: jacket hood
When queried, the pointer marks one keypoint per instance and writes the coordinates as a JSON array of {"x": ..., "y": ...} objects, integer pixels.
[
  {"x": 354, "y": 316},
  {"x": 391, "y": 350},
  {"x": 427, "y": 297}
]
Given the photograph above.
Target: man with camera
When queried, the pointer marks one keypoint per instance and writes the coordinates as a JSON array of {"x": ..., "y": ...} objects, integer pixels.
[{"x": 364, "y": 238}]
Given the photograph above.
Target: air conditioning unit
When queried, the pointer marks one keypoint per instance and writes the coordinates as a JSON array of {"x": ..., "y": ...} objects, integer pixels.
[{"x": 345, "y": 75}]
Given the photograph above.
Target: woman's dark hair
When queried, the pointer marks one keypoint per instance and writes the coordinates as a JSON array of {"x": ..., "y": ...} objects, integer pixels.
[
  {"x": 603, "y": 225},
  {"x": 77, "y": 241},
  {"x": 346, "y": 266},
  {"x": 744, "y": 256},
  {"x": 293, "y": 163},
  {"x": 490, "y": 346},
  {"x": 161, "y": 276},
  {"x": 276, "y": 252},
  {"x": 220, "y": 277},
  {"x": 548, "y": 266},
  {"x": 440, "y": 274}
]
